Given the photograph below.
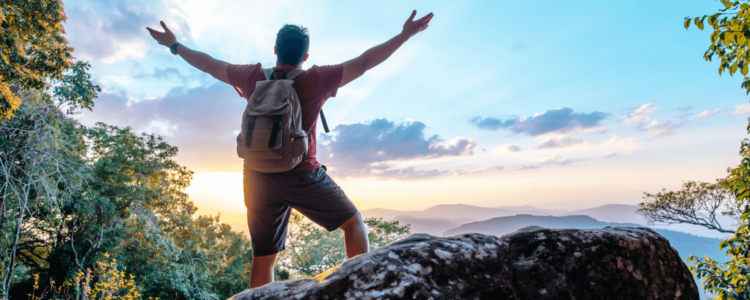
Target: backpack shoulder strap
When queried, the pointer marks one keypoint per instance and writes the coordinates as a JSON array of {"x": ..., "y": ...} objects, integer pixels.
[{"x": 294, "y": 73}]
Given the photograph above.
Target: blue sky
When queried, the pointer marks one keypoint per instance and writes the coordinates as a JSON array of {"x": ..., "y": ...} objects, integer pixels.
[{"x": 562, "y": 105}]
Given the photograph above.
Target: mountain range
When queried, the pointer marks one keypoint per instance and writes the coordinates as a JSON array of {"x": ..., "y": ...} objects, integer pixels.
[{"x": 437, "y": 219}]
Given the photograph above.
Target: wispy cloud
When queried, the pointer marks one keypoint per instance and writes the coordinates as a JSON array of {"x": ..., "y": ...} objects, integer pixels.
[
  {"x": 562, "y": 120},
  {"x": 660, "y": 129},
  {"x": 509, "y": 149},
  {"x": 614, "y": 144},
  {"x": 626, "y": 144},
  {"x": 610, "y": 154},
  {"x": 388, "y": 172},
  {"x": 706, "y": 113},
  {"x": 524, "y": 167},
  {"x": 557, "y": 160},
  {"x": 562, "y": 142},
  {"x": 640, "y": 115},
  {"x": 741, "y": 110},
  {"x": 539, "y": 164}
]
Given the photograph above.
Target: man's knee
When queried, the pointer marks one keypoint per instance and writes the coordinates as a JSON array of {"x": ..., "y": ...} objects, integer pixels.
[{"x": 353, "y": 222}]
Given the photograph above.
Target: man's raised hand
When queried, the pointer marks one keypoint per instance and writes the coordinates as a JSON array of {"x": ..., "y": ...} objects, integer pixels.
[
  {"x": 165, "y": 38},
  {"x": 411, "y": 27}
]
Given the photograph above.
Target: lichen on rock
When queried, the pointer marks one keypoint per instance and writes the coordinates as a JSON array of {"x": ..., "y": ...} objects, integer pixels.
[{"x": 531, "y": 263}]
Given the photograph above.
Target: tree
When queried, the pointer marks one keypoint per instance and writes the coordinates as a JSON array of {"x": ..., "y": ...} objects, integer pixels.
[
  {"x": 33, "y": 52},
  {"x": 730, "y": 37},
  {"x": 730, "y": 280},
  {"x": 70, "y": 195},
  {"x": 313, "y": 250},
  {"x": 41, "y": 168},
  {"x": 697, "y": 203},
  {"x": 730, "y": 40},
  {"x": 133, "y": 207}
]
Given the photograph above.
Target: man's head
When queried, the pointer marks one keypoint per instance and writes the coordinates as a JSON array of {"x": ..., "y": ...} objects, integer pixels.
[{"x": 292, "y": 43}]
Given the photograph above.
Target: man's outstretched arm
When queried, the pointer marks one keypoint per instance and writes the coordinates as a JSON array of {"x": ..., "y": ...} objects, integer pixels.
[
  {"x": 200, "y": 60},
  {"x": 354, "y": 68}
]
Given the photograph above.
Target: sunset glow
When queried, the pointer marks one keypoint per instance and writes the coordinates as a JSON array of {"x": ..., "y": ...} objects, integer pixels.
[{"x": 475, "y": 111}]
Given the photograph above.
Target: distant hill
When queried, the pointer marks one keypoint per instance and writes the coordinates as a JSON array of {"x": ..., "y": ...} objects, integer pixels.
[
  {"x": 616, "y": 213},
  {"x": 620, "y": 213},
  {"x": 433, "y": 226},
  {"x": 504, "y": 225},
  {"x": 686, "y": 244},
  {"x": 455, "y": 212}
]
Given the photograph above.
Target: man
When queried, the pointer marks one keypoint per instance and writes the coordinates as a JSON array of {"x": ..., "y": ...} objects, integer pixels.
[{"x": 269, "y": 197}]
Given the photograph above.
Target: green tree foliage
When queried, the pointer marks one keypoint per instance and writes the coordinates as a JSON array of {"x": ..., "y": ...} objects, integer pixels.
[
  {"x": 731, "y": 279},
  {"x": 730, "y": 37},
  {"x": 71, "y": 194},
  {"x": 33, "y": 51},
  {"x": 730, "y": 40},
  {"x": 312, "y": 250},
  {"x": 41, "y": 158}
]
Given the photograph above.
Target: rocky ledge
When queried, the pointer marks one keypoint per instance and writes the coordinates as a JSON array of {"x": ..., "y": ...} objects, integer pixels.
[{"x": 531, "y": 263}]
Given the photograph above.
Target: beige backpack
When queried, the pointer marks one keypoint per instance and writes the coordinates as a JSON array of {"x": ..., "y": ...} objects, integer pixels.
[{"x": 272, "y": 139}]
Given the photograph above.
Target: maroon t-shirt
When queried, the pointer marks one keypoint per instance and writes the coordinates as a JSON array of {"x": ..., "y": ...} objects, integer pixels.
[{"x": 313, "y": 88}]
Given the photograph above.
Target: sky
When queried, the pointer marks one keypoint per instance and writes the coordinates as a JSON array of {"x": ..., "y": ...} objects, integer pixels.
[{"x": 559, "y": 105}]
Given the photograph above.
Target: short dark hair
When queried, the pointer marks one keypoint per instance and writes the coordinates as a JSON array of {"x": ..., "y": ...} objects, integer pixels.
[{"x": 292, "y": 43}]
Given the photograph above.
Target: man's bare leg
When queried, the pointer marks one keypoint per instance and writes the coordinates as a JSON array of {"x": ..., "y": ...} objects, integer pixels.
[
  {"x": 262, "y": 270},
  {"x": 355, "y": 236}
]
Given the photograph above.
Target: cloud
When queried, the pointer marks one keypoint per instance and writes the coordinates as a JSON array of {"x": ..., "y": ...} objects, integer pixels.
[
  {"x": 741, "y": 110},
  {"x": 170, "y": 74},
  {"x": 509, "y": 149},
  {"x": 524, "y": 167},
  {"x": 560, "y": 143},
  {"x": 707, "y": 113},
  {"x": 387, "y": 172},
  {"x": 119, "y": 36},
  {"x": 494, "y": 169},
  {"x": 382, "y": 140},
  {"x": 640, "y": 115},
  {"x": 552, "y": 160},
  {"x": 628, "y": 144},
  {"x": 562, "y": 120},
  {"x": 660, "y": 129},
  {"x": 371, "y": 149},
  {"x": 685, "y": 108},
  {"x": 557, "y": 160}
]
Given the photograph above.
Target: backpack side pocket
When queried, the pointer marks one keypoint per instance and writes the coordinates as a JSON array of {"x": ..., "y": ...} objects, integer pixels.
[{"x": 300, "y": 142}]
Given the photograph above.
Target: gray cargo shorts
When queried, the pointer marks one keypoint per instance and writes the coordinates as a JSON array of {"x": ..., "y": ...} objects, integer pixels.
[{"x": 269, "y": 198}]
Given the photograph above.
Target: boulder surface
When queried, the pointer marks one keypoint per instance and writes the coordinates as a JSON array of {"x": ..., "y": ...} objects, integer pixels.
[{"x": 531, "y": 263}]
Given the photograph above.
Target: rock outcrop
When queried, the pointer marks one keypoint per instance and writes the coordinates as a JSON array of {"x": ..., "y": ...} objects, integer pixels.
[{"x": 531, "y": 263}]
